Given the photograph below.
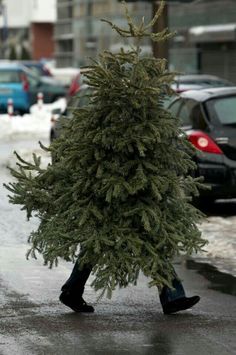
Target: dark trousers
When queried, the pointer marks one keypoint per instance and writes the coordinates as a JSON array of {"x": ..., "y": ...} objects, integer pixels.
[{"x": 77, "y": 280}]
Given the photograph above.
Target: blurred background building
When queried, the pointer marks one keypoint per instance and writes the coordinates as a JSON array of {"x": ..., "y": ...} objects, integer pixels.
[
  {"x": 71, "y": 31},
  {"x": 206, "y": 37},
  {"x": 205, "y": 40},
  {"x": 80, "y": 34},
  {"x": 27, "y": 28}
]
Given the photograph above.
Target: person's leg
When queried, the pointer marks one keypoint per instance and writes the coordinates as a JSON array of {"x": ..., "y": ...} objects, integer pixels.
[
  {"x": 73, "y": 289},
  {"x": 77, "y": 280},
  {"x": 174, "y": 299}
]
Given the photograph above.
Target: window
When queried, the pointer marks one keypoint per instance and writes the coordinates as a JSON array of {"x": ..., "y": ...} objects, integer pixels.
[
  {"x": 9, "y": 76},
  {"x": 185, "y": 112},
  {"x": 189, "y": 112},
  {"x": 191, "y": 115},
  {"x": 33, "y": 80},
  {"x": 223, "y": 110},
  {"x": 174, "y": 107}
]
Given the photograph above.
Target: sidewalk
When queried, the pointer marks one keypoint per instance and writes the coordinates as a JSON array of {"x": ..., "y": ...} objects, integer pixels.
[{"x": 131, "y": 323}]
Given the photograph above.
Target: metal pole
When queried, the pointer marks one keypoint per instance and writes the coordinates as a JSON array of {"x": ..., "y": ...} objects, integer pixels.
[
  {"x": 160, "y": 49},
  {"x": 5, "y": 29}
]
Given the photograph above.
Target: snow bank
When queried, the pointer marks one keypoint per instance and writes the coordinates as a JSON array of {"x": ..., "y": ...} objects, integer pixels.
[
  {"x": 36, "y": 124},
  {"x": 47, "y": 108},
  {"x": 221, "y": 248}
]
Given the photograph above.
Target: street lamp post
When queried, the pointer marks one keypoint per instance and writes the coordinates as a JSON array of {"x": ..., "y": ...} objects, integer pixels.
[
  {"x": 4, "y": 30},
  {"x": 160, "y": 49}
]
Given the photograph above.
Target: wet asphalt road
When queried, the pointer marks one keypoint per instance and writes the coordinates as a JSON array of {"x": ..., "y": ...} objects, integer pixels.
[
  {"x": 32, "y": 321},
  {"x": 131, "y": 323}
]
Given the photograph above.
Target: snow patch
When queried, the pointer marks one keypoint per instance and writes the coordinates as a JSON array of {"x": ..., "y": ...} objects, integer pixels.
[
  {"x": 36, "y": 124},
  {"x": 221, "y": 248}
]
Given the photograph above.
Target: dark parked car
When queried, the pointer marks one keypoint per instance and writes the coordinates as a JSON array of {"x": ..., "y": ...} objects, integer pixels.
[
  {"x": 79, "y": 100},
  {"x": 208, "y": 117},
  {"x": 198, "y": 81}
]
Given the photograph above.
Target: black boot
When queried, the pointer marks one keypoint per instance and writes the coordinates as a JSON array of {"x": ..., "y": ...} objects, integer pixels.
[
  {"x": 76, "y": 303},
  {"x": 73, "y": 289},
  {"x": 180, "y": 304}
]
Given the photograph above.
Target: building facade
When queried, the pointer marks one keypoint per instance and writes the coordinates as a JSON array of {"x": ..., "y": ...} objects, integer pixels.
[
  {"x": 64, "y": 33},
  {"x": 206, "y": 37},
  {"x": 80, "y": 34},
  {"x": 205, "y": 41},
  {"x": 28, "y": 24}
]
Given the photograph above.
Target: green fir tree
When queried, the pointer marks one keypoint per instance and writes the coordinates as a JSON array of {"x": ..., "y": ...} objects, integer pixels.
[{"x": 121, "y": 177}]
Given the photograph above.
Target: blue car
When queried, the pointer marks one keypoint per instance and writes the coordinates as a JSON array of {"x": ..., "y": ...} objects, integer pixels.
[
  {"x": 38, "y": 67},
  {"x": 13, "y": 85},
  {"x": 22, "y": 86}
]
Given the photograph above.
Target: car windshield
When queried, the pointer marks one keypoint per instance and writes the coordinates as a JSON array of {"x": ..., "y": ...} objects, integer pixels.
[
  {"x": 223, "y": 109},
  {"x": 36, "y": 70},
  {"x": 9, "y": 76}
]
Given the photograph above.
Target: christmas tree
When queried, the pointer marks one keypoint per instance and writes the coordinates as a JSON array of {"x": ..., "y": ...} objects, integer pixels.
[{"x": 120, "y": 181}]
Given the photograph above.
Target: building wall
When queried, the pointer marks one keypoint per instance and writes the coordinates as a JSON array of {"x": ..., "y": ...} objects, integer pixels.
[
  {"x": 16, "y": 25},
  {"x": 214, "y": 55},
  {"x": 83, "y": 35},
  {"x": 64, "y": 33},
  {"x": 20, "y": 13},
  {"x": 80, "y": 34},
  {"x": 42, "y": 41},
  {"x": 93, "y": 36},
  {"x": 218, "y": 59},
  {"x": 202, "y": 12},
  {"x": 43, "y": 11}
]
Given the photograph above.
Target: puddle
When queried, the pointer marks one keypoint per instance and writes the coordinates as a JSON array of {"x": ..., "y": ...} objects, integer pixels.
[{"x": 219, "y": 281}]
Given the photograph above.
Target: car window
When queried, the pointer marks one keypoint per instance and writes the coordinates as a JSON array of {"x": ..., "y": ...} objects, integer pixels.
[
  {"x": 185, "y": 112},
  {"x": 9, "y": 76},
  {"x": 36, "y": 70},
  {"x": 174, "y": 107},
  {"x": 33, "y": 80},
  {"x": 191, "y": 114},
  {"x": 223, "y": 109}
]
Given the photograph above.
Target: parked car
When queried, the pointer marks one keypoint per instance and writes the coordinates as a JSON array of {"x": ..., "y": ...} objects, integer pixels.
[
  {"x": 75, "y": 102},
  {"x": 65, "y": 75},
  {"x": 75, "y": 85},
  {"x": 22, "y": 86},
  {"x": 208, "y": 117},
  {"x": 198, "y": 81},
  {"x": 39, "y": 68}
]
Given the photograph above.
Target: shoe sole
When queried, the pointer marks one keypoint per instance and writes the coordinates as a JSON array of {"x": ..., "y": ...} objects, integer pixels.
[{"x": 77, "y": 309}]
